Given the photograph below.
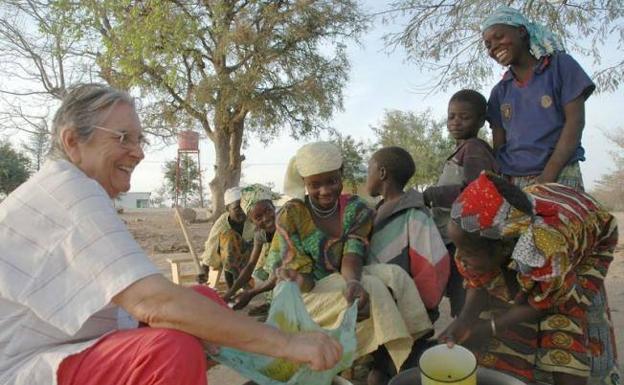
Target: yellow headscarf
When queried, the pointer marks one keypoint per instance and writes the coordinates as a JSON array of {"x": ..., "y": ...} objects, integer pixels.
[{"x": 311, "y": 159}]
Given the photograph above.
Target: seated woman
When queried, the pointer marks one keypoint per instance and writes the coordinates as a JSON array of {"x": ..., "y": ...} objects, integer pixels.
[
  {"x": 322, "y": 243},
  {"x": 257, "y": 203},
  {"x": 230, "y": 240},
  {"x": 533, "y": 260},
  {"x": 71, "y": 272}
]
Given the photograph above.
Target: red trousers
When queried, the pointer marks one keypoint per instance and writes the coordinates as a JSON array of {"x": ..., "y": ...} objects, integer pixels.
[{"x": 143, "y": 356}]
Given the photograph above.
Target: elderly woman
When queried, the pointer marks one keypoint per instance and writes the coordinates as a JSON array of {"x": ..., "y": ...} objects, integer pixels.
[
  {"x": 321, "y": 242},
  {"x": 70, "y": 272},
  {"x": 257, "y": 203},
  {"x": 533, "y": 260},
  {"x": 230, "y": 240}
]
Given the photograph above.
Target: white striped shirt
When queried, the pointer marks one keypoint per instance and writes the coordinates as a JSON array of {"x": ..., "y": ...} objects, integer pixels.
[{"x": 64, "y": 253}]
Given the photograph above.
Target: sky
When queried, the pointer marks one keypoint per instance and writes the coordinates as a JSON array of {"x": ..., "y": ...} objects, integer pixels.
[{"x": 378, "y": 82}]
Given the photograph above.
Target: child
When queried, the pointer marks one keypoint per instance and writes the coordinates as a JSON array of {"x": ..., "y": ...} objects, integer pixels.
[
  {"x": 404, "y": 232},
  {"x": 466, "y": 115},
  {"x": 537, "y": 111}
]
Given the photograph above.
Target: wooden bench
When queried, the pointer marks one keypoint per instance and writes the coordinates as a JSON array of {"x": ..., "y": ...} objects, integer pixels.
[{"x": 177, "y": 275}]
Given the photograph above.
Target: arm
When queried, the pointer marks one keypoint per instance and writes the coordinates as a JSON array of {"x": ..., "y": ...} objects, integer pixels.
[
  {"x": 516, "y": 314},
  {"x": 475, "y": 157},
  {"x": 571, "y": 133},
  {"x": 498, "y": 137},
  {"x": 242, "y": 299},
  {"x": 160, "y": 303},
  {"x": 476, "y": 302},
  {"x": 247, "y": 271}
]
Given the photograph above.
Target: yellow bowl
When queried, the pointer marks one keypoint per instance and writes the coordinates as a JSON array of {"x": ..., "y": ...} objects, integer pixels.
[{"x": 441, "y": 365}]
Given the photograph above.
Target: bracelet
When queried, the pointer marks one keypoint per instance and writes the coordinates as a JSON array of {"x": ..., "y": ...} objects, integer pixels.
[
  {"x": 353, "y": 281},
  {"x": 493, "y": 326}
]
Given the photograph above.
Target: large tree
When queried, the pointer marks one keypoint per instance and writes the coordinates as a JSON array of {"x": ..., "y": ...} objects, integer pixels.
[
  {"x": 39, "y": 59},
  {"x": 229, "y": 68},
  {"x": 422, "y": 136},
  {"x": 13, "y": 168},
  {"x": 355, "y": 154},
  {"x": 444, "y": 36}
]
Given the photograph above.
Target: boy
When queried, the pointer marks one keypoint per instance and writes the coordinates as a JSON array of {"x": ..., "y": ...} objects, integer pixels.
[
  {"x": 466, "y": 115},
  {"x": 404, "y": 232}
]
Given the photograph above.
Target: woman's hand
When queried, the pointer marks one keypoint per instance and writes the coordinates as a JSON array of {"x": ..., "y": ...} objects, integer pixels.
[
  {"x": 471, "y": 333},
  {"x": 456, "y": 333},
  {"x": 354, "y": 291},
  {"x": 318, "y": 350}
]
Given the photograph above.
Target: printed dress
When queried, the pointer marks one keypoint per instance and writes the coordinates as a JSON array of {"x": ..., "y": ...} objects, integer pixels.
[
  {"x": 559, "y": 263},
  {"x": 397, "y": 316}
]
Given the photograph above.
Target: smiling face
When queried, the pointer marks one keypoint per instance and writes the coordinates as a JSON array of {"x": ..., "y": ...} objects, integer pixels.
[
  {"x": 506, "y": 44},
  {"x": 263, "y": 216},
  {"x": 102, "y": 156},
  {"x": 324, "y": 189},
  {"x": 462, "y": 120}
]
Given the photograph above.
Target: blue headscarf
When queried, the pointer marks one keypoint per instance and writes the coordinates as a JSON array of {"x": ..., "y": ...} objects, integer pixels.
[{"x": 542, "y": 41}]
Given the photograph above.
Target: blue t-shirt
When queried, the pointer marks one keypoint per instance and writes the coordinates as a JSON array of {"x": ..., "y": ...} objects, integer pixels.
[{"x": 532, "y": 114}]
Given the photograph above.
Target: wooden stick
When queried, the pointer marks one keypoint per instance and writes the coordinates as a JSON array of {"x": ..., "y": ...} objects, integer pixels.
[{"x": 178, "y": 216}]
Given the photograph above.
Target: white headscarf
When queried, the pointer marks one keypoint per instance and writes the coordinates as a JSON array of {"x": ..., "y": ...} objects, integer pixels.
[
  {"x": 311, "y": 159},
  {"x": 232, "y": 195}
]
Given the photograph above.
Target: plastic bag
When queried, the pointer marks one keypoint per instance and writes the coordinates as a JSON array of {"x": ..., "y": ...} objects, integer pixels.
[{"x": 289, "y": 314}]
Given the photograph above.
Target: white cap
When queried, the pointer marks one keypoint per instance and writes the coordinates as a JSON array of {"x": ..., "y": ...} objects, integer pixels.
[{"x": 232, "y": 195}]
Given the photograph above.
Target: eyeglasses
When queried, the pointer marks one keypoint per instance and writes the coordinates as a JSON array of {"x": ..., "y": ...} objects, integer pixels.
[{"x": 126, "y": 140}]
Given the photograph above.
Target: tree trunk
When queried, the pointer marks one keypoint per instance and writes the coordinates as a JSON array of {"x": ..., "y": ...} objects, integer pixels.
[{"x": 227, "y": 142}]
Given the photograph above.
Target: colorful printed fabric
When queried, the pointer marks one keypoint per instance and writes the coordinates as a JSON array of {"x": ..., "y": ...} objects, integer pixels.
[
  {"x": 300, "y": 245},
  {"x": 464, "y": 165},
  {"x": 260, "y": 272},
  {"x": 211, "y": 255},
  {"x": 234, "y": 252},
  {"x": 481, "y": 208},
  {"x": 570, "y": 176},
  {"x": 559, "y": 260},
  {"x": 542, "y": 41},
  {"x": 407, "y": 236}
]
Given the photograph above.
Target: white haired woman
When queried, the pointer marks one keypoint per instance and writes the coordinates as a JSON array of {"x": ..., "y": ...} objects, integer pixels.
[{"x": 70, "y": 272}]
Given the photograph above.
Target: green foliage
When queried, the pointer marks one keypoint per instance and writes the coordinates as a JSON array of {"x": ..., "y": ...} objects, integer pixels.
[
  {"x": 610, "y": 188},
  {"x": 355, "y": 154},
  {"x": 231, "y": 68},
  {"x": 13, "y": 168},
  {"x": 188, "y": 181},
  {"x": 423, "y": 137},
  {"x": 445, "y": 36}
]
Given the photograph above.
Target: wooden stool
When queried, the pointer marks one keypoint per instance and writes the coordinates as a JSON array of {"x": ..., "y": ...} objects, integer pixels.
[{"x": 176, "y": 270}]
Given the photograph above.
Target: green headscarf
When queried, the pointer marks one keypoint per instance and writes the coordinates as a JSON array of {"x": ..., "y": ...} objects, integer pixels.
[
  {"x": 543, "y": 42},
  {"x": 255, "y": 193}
]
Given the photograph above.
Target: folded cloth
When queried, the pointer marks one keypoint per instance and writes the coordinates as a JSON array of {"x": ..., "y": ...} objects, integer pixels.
[{"x": 396, "y": 319}]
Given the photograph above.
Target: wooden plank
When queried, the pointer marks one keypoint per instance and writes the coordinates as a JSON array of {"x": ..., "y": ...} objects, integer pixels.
[{"x": 178, "y": 216}]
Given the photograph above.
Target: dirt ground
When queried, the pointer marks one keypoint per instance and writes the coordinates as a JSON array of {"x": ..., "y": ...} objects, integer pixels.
[{"x": 159, "y": 234}]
